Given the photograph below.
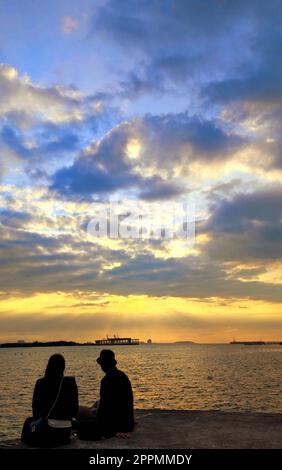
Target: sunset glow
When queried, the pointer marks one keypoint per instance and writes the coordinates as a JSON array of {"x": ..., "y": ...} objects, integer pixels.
[{"x": 94, "y": 107}]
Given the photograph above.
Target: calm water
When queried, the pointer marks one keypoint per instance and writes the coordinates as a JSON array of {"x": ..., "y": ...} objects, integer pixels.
[{"x": 196, "y": 377}]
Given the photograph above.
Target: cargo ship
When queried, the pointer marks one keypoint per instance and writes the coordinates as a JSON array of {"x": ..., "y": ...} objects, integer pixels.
[{"x": 117, "y": 341}]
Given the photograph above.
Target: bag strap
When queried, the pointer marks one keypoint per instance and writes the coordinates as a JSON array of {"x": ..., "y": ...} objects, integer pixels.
[{"x": 57, "y": 397}]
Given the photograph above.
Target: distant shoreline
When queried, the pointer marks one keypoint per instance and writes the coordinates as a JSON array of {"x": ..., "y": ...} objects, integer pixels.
[{"x": 38, "y": 344}]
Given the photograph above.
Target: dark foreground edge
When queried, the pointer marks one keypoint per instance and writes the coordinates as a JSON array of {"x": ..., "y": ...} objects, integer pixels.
[{"x": 127, "y": 458}]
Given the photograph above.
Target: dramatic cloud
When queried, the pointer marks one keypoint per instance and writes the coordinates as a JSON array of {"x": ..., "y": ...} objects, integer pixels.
[
  {"x": 42, "y": 128},
  {"x": 138, "y": 153},
  {"x": 260, "y": 81},
  {"x": 247, "y": 228},
  {"x": 192, "y": 41},
  {"x": 55, "y": 254}
]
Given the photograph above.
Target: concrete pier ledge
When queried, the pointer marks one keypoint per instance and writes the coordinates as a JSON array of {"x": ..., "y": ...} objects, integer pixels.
[{"x": 172, "y": 429}]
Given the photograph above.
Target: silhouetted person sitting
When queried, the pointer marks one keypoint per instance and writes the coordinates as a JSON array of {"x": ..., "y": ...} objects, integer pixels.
[
  {"x": 55, "y": 398},
  {"x": 46, "y": 390},
  {"x": 114, "y": 415}
]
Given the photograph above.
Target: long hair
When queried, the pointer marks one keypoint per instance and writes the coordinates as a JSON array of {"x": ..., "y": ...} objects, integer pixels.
[{"x": 55, "y": 367}]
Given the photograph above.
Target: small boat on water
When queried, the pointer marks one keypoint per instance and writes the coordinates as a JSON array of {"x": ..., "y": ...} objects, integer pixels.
[{"x": 117, "y": 341}]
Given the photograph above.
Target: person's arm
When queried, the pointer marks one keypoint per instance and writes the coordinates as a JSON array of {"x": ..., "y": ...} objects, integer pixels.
[{"x": 37, "y": 402}]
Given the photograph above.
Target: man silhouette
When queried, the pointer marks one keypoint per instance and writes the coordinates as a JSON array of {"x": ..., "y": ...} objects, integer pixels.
[
  {"x": 113, "y": 415},
  {"x": 115, "y": 409}
]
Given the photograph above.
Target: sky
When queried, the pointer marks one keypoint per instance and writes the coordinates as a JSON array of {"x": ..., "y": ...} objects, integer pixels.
[{"x": 152, "y": 103}]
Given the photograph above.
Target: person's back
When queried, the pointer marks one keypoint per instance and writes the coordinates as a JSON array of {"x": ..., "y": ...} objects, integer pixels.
[
  {"x": 115, "y": 409},
  {"x": 45, "y": 394}
]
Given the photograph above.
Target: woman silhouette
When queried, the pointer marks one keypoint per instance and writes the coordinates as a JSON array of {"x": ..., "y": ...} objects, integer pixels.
[
  {"x": 54, "y": 404},
  {"x": 46, "y": 390}
]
